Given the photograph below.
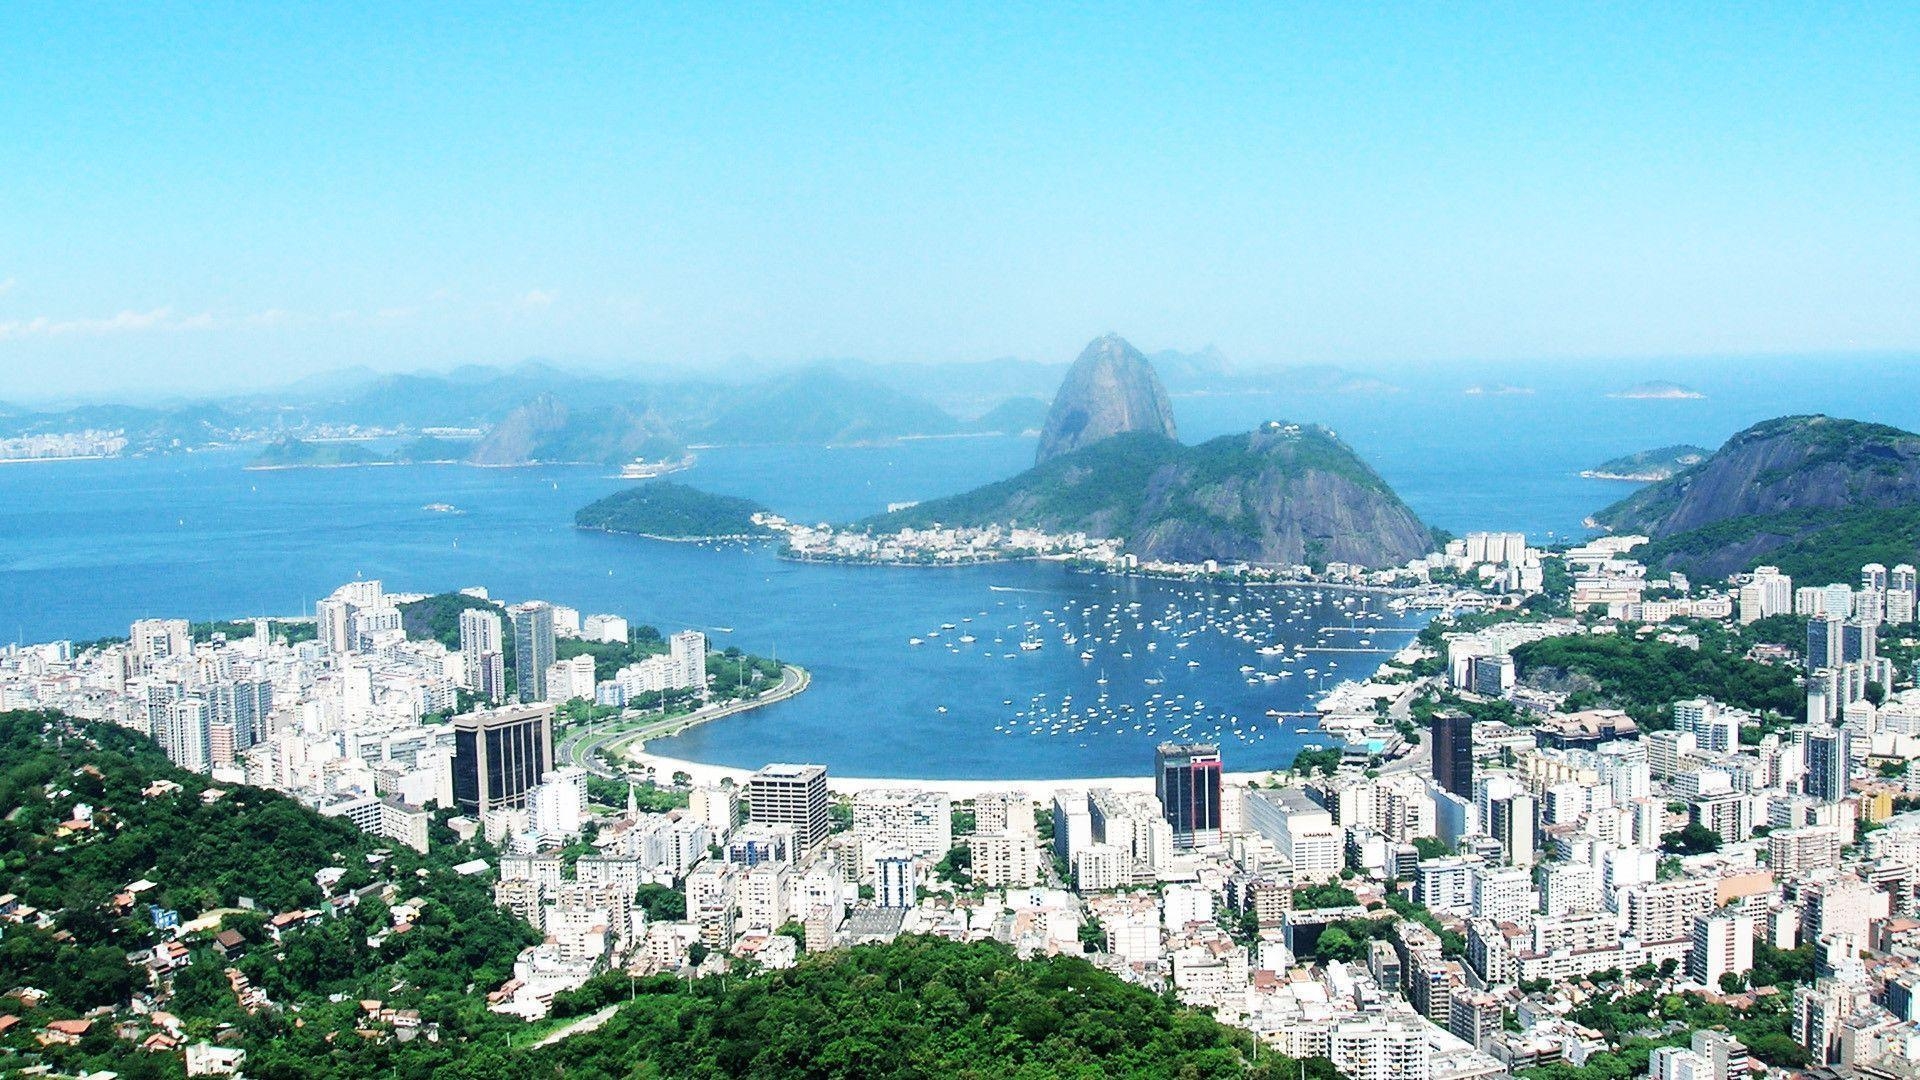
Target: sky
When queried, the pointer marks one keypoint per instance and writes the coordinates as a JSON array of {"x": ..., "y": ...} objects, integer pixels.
[{"x": 196, "y": 197}]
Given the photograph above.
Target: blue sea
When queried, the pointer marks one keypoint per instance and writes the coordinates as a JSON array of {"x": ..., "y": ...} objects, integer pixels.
[{"x": 87, "y": 547}]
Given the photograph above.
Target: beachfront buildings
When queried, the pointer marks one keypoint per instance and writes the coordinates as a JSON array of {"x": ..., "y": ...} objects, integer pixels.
[
  {"x": 794, "y": 795},
  {"x": 1187, "y": 779}
]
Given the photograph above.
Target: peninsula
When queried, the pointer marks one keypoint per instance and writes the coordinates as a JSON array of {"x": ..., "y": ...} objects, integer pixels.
[
  {"x": 664, "y": 510},
  {"x": 1648, "y": 466}
]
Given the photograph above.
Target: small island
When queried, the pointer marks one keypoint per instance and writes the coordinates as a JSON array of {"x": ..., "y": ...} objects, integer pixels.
[
  {"x": 1648, "y": 466},
  {"x": 1658, "y": 390},
  {"x": 319, "y": 454},
  {"x": 664, "y": 510}
]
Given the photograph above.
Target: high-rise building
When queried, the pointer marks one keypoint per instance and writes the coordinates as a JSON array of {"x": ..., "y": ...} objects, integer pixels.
[
  {"x": 1824, "y": 641},
  {"x": 1722, "y": 945},
  {"x": 1828, "y": 767},
  {"x": 184, "y": 734},
  {"x": 532, "y": 648},
  {"x": 687, "y": 653},
  {"x": 499, "y": 755},
  {"x": 482, "y": 654},
  {"x": 244, "y": 705},
  {"x": 896, "y": 885},
  {"x": 161, "y": 639},
  {"x": 1380, "y": 1048},
  {"x": 1452, "y": 734},
  {"x": 793, "y": 795},
  {"x": 1187, "y": 777},
  {"x": 1902, "y": 583}
]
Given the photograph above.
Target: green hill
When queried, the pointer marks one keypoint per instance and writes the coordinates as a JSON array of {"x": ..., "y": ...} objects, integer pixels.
[
  {"x": 1648, "y": 465},
  {"x": 1802, "y": 490},
  {"x": 206, "y": 853},
  {"x": 302, "y": 454},
  {"x": 670, "y": 511},
  {"x": 1283, "y": 494}
]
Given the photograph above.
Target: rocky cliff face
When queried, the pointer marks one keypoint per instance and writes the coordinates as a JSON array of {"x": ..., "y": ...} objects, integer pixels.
[
  {"x": 1793, "y": 463},
  {"x": 1285, "y": 494},
  {"x": 1110, "y": 389}
]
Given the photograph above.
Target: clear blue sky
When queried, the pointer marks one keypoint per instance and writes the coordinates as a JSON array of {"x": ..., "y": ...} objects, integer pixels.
[{"x": 255, "y": 192}]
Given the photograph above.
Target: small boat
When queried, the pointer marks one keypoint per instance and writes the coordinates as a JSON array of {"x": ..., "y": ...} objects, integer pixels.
[{"x": 915, "y": 641}]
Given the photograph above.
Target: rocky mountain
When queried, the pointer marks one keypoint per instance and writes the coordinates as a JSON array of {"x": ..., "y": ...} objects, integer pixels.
[
  {"x": 549, "y": 431},
  {"x": 1283, "y": 494},
  {"x": 1110, "y": 389},
  {"x": 1779, "y": 489}
]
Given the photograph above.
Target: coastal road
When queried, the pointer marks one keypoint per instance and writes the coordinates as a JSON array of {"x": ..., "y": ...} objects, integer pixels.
[
  {"x": 581, "y": 746},
  {"x": 1420, "y": 760}
]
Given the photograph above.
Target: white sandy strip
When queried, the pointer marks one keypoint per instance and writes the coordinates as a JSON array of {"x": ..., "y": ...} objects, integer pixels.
[{"x": 1039, "y": 790}]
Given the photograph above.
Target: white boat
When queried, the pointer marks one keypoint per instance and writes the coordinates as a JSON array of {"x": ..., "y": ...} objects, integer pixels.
[
  {"x": 1030, "y": 645},
  {"x": 915, "y": 641}
]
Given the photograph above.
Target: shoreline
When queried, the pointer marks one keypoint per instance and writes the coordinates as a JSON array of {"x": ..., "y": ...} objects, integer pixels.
[{"x": 1041, "y": 789}]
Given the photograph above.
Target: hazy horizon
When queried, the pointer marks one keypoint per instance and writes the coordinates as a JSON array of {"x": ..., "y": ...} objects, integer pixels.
[{"x": 200, "y": 203}]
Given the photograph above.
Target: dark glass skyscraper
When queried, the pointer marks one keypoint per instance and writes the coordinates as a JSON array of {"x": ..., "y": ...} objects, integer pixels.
[
  {"x": 532, "y": 649},
  {"x": 1187, "y": 779},
  {"x": 499, "y": 755},
  {"x": 1453, "y": 752}
]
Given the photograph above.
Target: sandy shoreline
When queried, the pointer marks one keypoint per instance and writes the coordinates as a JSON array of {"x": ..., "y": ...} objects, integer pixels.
[{"x": 1041, "y": 790}]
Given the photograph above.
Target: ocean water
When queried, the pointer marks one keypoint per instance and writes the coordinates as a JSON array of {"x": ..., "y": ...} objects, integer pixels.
[{"x": 87, "y": 547}]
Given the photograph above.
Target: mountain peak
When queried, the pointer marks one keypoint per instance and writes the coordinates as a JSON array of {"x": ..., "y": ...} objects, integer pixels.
[{"x": 1110, "y": 389}]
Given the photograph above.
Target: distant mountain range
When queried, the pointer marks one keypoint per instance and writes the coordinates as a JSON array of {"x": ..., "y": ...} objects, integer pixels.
[{"x": 1816, "y": 495}]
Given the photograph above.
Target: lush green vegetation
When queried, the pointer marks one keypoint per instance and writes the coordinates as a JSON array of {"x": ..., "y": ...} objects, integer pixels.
[
  {"x": 1141, "y": 484},
  {"x": 1645, "y": 677},
  {"x": 1652, "y": 464},
  {"x": 1816, "y": 546},
  {"x": 664, "y": 509},
  {"x": 1695, "y": 839},
  {"x": 245, "y": 853},
  {"x": 293, "y": 632},
  {"x": 1323, "y": 759},
  {"x": 919, "y": 1007},
  {"x": 302, "y": 454},
  {"x": 437, "y": 617},
  {"x": 1319, "y": 896}
]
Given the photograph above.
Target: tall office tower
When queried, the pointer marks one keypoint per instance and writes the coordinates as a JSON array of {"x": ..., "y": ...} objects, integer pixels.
[
  {"x": 1186, "y": 776},
  {"x": 1859, "y": 643},
  {"x": 1901, "y": 594},
  {"x": 532, "y": 648},
  {"x": 1827, "y": 765},
  {"x": 1825, "y": 642},
  {"x": 499, "y": 755},
  {"x": 1452, "y": 734},
  {"x": 161, "y": 639},
  {"x": 687, "y": 654},
  {"x": 481, "y": 654},
  {"x": 793, "y": 795}
]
